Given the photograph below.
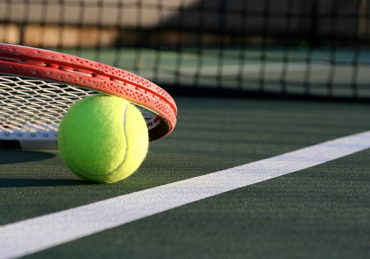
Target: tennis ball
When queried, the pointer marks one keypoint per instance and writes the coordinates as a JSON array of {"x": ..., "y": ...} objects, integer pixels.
[{"x": 103, "y": 138}]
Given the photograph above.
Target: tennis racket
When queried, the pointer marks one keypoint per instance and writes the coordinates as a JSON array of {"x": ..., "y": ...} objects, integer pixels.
[{"x": 38, "y": 86}]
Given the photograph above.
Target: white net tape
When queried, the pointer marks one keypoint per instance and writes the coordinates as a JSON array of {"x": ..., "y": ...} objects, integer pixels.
[{"x": 31, "y": 109}]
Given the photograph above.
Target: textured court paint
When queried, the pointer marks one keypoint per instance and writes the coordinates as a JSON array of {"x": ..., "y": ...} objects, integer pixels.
[{"x": 36, "y": 234}]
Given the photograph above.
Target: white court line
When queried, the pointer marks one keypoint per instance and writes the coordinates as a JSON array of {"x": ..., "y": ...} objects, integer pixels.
[{"x": 36, "y": 234}]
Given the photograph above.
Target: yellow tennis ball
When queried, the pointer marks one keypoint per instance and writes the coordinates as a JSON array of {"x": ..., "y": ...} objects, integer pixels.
[{"x": 103, "y": 138}]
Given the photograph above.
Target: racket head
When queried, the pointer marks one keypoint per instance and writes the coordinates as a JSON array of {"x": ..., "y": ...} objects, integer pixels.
[{"x": 34, "y": 79}]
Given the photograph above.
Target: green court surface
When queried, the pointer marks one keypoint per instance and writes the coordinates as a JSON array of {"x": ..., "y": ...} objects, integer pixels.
[{"x": 319, "y": 212}]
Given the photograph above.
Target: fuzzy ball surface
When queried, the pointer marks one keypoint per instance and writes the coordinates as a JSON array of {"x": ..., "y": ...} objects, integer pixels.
[{"x": 103, "y": 138}]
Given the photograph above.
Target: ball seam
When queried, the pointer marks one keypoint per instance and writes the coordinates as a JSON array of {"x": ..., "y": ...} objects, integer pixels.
[{"x": 126, "y": 107}]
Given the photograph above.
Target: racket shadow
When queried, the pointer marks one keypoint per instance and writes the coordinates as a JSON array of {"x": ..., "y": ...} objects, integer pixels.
[
  {"x": 17, "y": 156},
  {"x": 24, "y": 182}
]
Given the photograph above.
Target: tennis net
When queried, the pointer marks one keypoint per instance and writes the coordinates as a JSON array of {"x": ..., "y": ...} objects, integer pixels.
[{"x": 307, "y": 48}]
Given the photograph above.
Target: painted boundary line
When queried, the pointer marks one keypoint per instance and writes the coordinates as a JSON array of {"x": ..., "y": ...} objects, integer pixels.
[{"x": 36, "y": 234}]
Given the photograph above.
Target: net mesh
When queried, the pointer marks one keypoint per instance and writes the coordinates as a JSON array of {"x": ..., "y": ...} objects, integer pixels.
[
  {"x": 305, "y": 48},
  {"x": 284, "y": 47}
]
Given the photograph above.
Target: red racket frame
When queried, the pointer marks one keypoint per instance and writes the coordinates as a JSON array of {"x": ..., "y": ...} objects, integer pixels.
[{"x": 64, "y": 68}]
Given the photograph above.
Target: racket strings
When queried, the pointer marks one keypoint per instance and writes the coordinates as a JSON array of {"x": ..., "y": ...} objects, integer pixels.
[{"x": 32, "y": 108}]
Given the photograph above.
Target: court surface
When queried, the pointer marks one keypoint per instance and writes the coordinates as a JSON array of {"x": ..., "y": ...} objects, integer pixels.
[{"x": 318, "y": 212}]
